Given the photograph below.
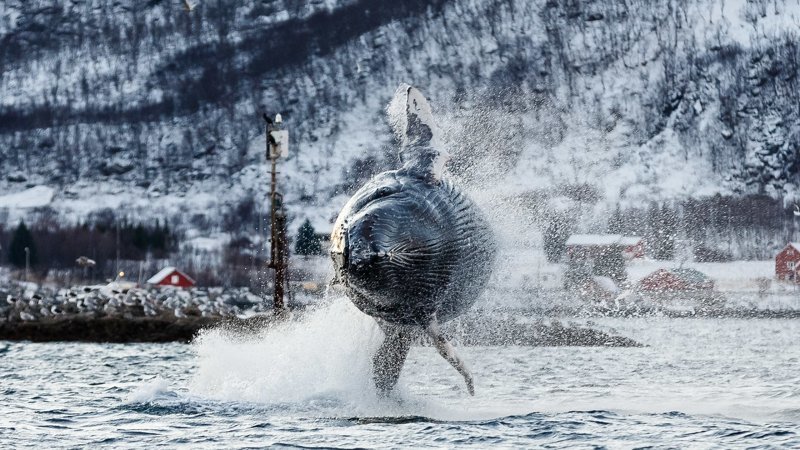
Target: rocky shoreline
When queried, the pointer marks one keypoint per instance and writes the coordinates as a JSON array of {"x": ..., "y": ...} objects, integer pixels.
[
  {"x": 112, "y": 313},
  {"x": 469, "y": 332},
  {"x": 106, "y": 329},
  {"x": 29, "y": 302}
]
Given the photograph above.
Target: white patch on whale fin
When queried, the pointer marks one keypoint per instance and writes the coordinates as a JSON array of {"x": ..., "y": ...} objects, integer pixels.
[
  {"x": 396, "y": 111},
  {"x": 417, "y": 104},
  {"x": 409, "y": 112},
  {"x": 449, "y": 353}
]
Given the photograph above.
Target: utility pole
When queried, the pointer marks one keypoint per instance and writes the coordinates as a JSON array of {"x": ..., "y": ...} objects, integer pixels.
[
  {"x": 116, "y": 268},
  {"x": 276, "y": 146},
  {"x": 27, "y": 262}
]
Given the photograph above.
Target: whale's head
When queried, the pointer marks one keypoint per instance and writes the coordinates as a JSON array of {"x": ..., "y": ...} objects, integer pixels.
[{"x": 384, "y": 250}]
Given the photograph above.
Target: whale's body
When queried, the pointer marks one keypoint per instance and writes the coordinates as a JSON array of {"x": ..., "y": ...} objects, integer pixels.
[{"x": 410, "y": 248}]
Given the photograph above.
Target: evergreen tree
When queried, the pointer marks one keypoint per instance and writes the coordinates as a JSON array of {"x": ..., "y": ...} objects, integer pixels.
[
  {"x": 555, "y": 238},
  {"x": 139, "y": 238},
  {"x": 576, "y": 275},
  {"x": 670, "y": 225},
  {"x": 16, "y": 250},
  {"x": 664, "y": 227},
  {"x": 307, "y": 240},
  {"x": 611, "y": 264},
  {"x": 615, "y": 222},
  {"x": 158, "y": 237}
]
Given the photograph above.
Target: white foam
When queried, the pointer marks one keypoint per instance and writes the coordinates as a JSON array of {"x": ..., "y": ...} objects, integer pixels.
[
  {"x": 326, "y": 354},
  {"x": 149, "y": 391}
]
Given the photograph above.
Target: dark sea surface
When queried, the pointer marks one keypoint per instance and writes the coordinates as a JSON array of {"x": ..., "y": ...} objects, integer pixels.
[{"x": 698, "y": 383}]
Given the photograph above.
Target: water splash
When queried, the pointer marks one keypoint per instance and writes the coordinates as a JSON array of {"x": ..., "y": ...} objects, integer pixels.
[
  {"x": 149, "y": 391},
  {"x": 316, "y": 366},
  {"x": 324, "y": 354}
]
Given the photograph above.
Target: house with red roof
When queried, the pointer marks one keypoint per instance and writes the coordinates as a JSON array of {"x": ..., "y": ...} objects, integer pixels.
[
  {"x": 171, "y": 276},
  {"x": 632, "y": 247},
  {"x": 787, "y": 262},
  {"x": 676, "y": 280}
]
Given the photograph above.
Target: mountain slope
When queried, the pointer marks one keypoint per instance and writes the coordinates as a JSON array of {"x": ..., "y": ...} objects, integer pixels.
[{"x": 154, "y": 112}]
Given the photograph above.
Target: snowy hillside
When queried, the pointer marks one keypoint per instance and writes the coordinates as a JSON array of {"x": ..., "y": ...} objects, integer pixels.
[{"x": 154, "y": 112}]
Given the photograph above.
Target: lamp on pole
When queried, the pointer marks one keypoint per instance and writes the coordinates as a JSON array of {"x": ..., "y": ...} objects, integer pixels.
[{"x": 277, "y": 143}]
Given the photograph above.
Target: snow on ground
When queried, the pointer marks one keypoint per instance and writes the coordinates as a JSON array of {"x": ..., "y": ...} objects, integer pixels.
[
  {"x": 735, "y": 18},
  {"x": 214, "y": 243},
  {"x": 34, "y": 197}
]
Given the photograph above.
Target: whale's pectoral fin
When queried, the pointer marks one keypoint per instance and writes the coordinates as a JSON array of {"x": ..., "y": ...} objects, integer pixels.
[
  {"x": 390, "y": 357},
  {"x": 449, "y": 353}
]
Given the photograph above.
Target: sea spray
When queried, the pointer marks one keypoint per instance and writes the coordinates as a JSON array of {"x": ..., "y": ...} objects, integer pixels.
[
  {"x": 149, "y": 391},
  {"x": 326, "y": 353},
  {"x": 318, "y": 365}
]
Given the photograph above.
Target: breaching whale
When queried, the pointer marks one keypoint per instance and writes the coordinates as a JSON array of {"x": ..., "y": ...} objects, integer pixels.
[{"x": 410, "y": 248}]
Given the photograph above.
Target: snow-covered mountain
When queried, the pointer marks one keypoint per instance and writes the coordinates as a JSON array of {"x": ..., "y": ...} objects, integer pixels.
[{"x": 154, "y": 112}]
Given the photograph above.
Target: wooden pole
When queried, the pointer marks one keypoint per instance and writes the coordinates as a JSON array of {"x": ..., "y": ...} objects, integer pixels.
[
  {"x": 277, "y": 226},
  {"x": 27, "y": 262}
]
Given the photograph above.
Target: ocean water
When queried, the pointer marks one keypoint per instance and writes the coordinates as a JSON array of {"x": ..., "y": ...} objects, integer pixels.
[{"x": 697, "y": 383}]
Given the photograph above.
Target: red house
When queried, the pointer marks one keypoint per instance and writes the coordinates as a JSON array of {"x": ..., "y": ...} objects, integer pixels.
[
  {"x": 632, "y": 247},
  {"x": 787, "y": 262},
  {"x": 170, "y": 276},
  {"x": 676, "y": 280}
]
